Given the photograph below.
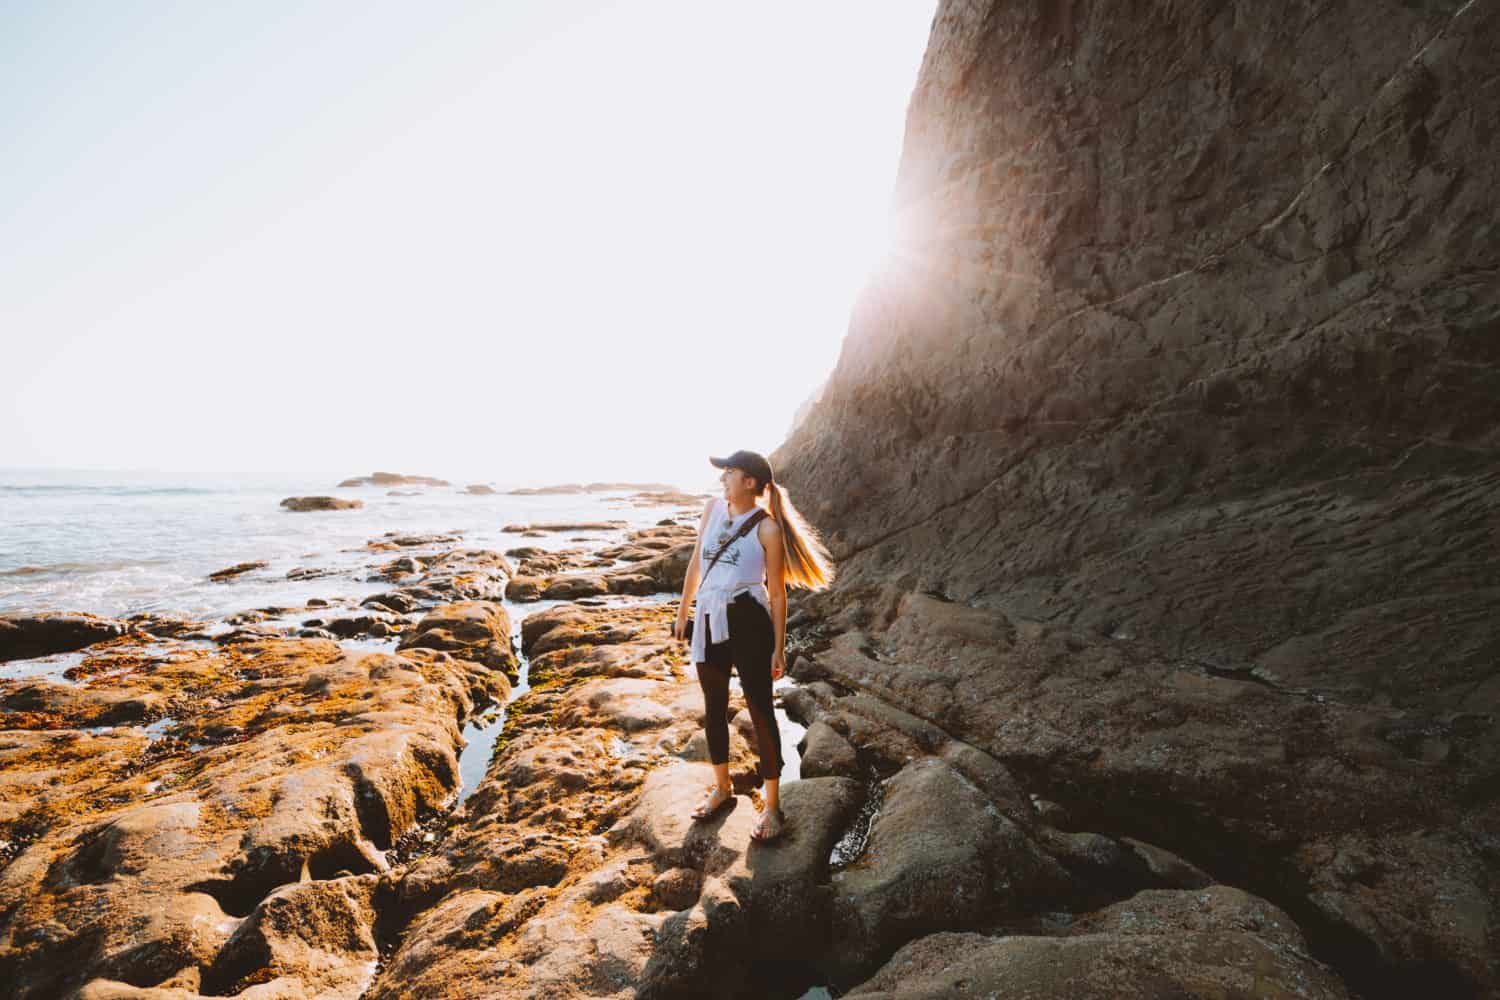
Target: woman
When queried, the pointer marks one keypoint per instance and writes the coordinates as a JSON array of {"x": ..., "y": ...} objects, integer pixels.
[{"x": 746, "y": 556}]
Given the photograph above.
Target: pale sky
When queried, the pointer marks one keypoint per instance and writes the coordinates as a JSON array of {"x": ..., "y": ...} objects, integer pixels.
[{"x": 520, "y": 241}]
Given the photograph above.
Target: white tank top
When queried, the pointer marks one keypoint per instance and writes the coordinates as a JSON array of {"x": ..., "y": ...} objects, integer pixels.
[
  {"x": 741, "y": 568},
  {"x": 743, "y": 562}
]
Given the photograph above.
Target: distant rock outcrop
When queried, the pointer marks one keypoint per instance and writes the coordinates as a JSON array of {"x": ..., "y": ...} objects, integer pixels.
[
  {"x": 392, "y": 479},
  {"x": 1160, "y": 459},
  {"x": 320, "y": 503}
]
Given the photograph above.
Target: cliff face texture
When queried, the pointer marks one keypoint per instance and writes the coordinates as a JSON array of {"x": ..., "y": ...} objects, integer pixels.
[{"x": 1161, "y": 459}]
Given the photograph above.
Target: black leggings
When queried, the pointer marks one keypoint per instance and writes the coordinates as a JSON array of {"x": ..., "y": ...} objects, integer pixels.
[{"x": 748, "y": 649}]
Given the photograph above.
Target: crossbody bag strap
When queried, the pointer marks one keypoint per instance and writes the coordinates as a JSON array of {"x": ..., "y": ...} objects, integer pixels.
[{"x": 750, "y": 522}]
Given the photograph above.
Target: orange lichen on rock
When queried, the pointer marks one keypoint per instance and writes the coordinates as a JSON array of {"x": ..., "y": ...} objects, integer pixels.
[{"x": 156, "y": 854}]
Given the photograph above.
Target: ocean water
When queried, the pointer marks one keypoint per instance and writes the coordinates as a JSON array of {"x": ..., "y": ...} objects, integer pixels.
[{"x": 117, "y": 543}]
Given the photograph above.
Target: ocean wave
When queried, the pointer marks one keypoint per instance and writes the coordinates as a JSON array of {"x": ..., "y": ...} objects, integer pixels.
[
  {"x": 123, "y": 491},
  {"x": 66, "y": 568}
]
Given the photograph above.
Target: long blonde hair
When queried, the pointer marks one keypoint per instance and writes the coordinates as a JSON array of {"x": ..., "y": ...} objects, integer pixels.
[{"x": 808, "y": 563}]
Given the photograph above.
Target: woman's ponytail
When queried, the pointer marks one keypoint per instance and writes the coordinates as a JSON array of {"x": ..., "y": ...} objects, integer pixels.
[{"x": 808, "y": 563}]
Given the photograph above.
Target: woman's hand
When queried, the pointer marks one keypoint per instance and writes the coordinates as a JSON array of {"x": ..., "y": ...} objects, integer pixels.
[
  {"x": 679, "y": 629},
  {"x": 778, "y": 664}
]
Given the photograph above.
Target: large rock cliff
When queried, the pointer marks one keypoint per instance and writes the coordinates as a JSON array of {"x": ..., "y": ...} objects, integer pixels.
[{"x": 1183, "y": 379}]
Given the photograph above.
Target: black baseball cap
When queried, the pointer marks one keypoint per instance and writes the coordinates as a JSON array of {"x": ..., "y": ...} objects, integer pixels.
[{"x": 747, "y": 462}]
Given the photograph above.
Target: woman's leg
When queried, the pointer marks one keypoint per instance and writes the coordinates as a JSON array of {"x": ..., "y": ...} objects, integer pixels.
[
  {"x": 752, "y": 636},
  {"x": 713, "y": 678}
]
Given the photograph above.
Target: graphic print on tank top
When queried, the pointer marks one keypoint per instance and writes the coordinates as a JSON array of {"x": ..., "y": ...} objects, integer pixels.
[{"x": 730, "y": 560}]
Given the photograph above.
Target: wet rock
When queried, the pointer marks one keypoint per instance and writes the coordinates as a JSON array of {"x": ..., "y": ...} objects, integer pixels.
[
  {"x": 479, "y": 489},
  {"x": 308, "y": 573},
  {"x": 1167, "y": 868},
  {"x": 636, "y": 584},
  {"x": 472, "y": 630},
  {"x": 397, "y": 568},
  {"x": 394, "y": 601},
  {"x": 677, "y": 888},
  {"x": 320, "y": 503},
  {"x": 464, "y": 575},
  {"x": 650, "y": 542},
  {"x": 373, "y": 624},
  {"x": 540, "y": 563},
  {"x": 665, "y": 571},
  {"x": 151, "y": 858},
  {"x": 237, "y": 569},
  {"x": 529, "y": 886},
  {"x": 939, "y": 856},
  {"x": 316, "y": 938},
  {"x": 525, "y": 552},
  {"x": 567, "y": 588},
  {"x": 1101, "y": 967},
  {"x": 1124, "y": 742},
  {"x": 23, "y": 637},
  {"x": 825, "y": 752},
  {"x": 252, "y": 633},
  {"x": 524, "y": 588},
  {"x": 90, "y": 706}
]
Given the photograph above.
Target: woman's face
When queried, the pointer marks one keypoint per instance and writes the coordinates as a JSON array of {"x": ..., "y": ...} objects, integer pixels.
[{"x": 737, "y": 484}]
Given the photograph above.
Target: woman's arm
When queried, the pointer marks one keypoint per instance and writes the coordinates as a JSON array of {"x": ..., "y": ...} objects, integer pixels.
[
  {"x": 693, "y": 578},
  {"x": 769, "y": 533}
]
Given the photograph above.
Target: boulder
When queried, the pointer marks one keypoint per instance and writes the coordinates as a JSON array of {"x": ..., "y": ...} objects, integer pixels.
[
  {"x": 26, "y": 636},
  {"x": 939, "y": 856},
  {"x": 1192, "y": 966},
  {"x": 524, "y": 588},
  {"x": 394, "y": 601},
  {"x": 825, "y": 752},
  {"x": 567, "y": 588}
]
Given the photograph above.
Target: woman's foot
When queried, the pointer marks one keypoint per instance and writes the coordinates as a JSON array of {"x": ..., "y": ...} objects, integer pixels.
[
  {"x": 772, "y": 824},
  {"x": 714, "y": 801}
]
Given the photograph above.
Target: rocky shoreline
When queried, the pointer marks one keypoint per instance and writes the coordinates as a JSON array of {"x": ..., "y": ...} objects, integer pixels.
[{"x": 273, "y": 805}]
